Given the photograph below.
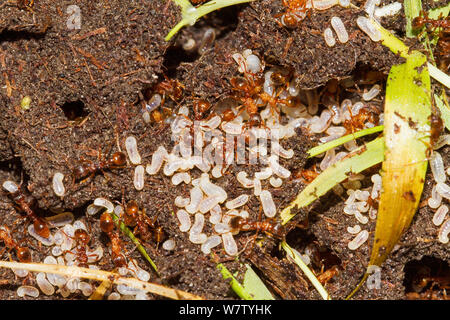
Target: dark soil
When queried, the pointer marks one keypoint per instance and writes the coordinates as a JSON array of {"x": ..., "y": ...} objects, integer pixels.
[{"x": 87, "y": 86}]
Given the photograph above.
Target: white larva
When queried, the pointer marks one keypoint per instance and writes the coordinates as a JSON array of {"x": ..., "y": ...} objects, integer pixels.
[
  {"x": 268, "y": 204},
  {"x": 211, "y": 242},
  {"x": 229, "y": 244},
  {"x": 180, "y": 177},
  {"x": 388, "y": 10},
  {"x": 216, "y": 214},
  {"x": 208, "y": 203},
  {"x": 133, "y": 153},
  {"x": 57, "y": 183},
  {"x": 339, "y": 28},
  {"x": 264, "y": 174},
  {"x": 253, "y": 64},
  {"x": 169, "y": 245},
  {"x": 320, "y": 124},
  {"x": 275, "y": 182},
  {"x": 437, "y": 167},
  {"x": 439, "y": 215},
  {"x": 158, "y": 158},
  {"x": 237, "y": 202},
  {"x": 372, "y": 93},
  {"x": 443, "y": 190},
  {"x": 196, "y": 198},
  {"x": 210, "y": 189},
  {"x": 23, "y": 291},
  {"x": 102, "y": 202},
  {"x": 138, "y": 179},
  {"x": 185, "y": 220},
  {"x": 232, "y": 127},
  {"x": 43, "y": 284},
  {"x": 198, "y": 238},
  {"x": 221, "y": 227},
  {"x": 344, "y": 3},
  {"x": 324, "y": 4},
  {"x": 85, "y": 288},
  {"x": 354, "y": 230},
  {"x": 60, "y": 220},
  {"x": 444, "y": 231},
  {"x": 326, "y": 161},
  {"x": 368, "y": 27},
  {"x": 198, "y": 225},
  {"x": 280, "y": 151},
  {"x": 10, "y": 186},
  {"x": 257, "y": 187},
  {"x": 435, "y": 200},
  {"x": 358, "y": 240},
  {"x": 370, "y": 5},
  {"x": 277, "y": 168},
  {"x": 181, "y": 202}
]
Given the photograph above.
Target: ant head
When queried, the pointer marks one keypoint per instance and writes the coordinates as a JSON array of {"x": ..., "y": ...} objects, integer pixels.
[
  {"x": 119, "y": 260},
  {"x": 81, "y": 236},
  {"x": 106, "y": 222},
  {"x": 236, "y": 222},
  {"x": 23, "y": 254},
  {"x": 132, "y": 209},
  {"x": 201, "y": 106}
]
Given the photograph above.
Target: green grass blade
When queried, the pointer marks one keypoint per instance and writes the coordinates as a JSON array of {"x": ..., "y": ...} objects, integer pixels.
[
  {"x": 309, "y": 274},
  {"x": 444, "y": 109},
  {"x": 339, "y": 141},
  {"x": 135, "y": 240},
  {"x": 191, "y": 14},
  {"x": 235, "y": 285},
  {"x": 412, "y": 10},
  {"x": 254, "y": 285},
  {"x": 364, "y": 157}
]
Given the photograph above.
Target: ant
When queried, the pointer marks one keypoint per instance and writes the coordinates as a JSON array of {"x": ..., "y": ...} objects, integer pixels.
[
  {"x": 26, "y": 203},
  {"x": 107, "y": 226},
  {"x": 358, "y": 121},
  {"x": 296, "y": 11},
  {"x": 88, "y": 168},
  {"x": 200, "y": 107},
  {"x": 82, "y": 239},
  {"x": 143, "y": 224},
  {"x": 308, "y": 175},
  {"x": 22, "y": 253},
  {"x": 273, "y": 230},
  {"x": 431, "y": 24}
]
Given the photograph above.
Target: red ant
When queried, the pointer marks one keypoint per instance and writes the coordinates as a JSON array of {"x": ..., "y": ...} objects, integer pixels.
[
  {"x": 88, "y": 168},
  {"x": 138, "y": 218},
  {"x": 296, "y": 11},
  {"x": 358, "y": 121},
  {"x": 107, "y": 226},
  {"x": 308, "y": 175},
  {"x": 274, "y": 230},
  {"x": 200, "y": 107},
  {"x": 431, "y": 24},
  {"x": 82, "y": 239},
  {"x": 27, "y": 204},
  {"x": 22, "y": 253}
]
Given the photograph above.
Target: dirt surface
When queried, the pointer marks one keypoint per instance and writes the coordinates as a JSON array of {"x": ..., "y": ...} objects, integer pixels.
[{"x": 87, "y": 87}]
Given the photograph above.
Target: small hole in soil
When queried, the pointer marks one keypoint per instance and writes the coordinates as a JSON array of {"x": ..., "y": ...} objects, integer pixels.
[
  {"x": 74, "y": 109},
  {"x": 426, "y": 275}
]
